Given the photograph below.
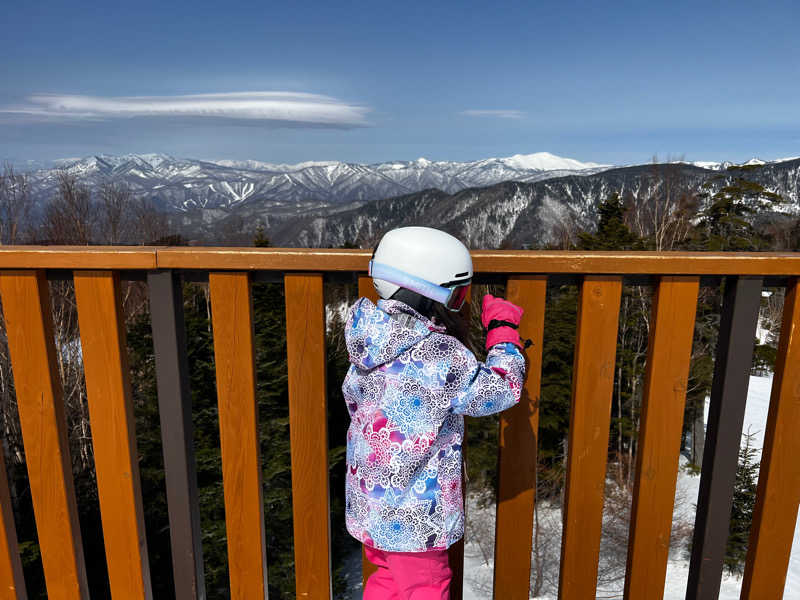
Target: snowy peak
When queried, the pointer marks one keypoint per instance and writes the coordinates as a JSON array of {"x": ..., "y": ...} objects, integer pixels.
[
  {"x": 181, "y": 185},
  {"x": 544, "y": 161}
]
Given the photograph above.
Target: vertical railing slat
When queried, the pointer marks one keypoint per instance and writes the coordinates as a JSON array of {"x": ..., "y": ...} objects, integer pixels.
[
  {"x": 666, "y": 377},
  {"x": 108, "y": 389},
  {"x": 778, "y": 496},
  {"x": 175, "y": 413},
  {"x": 366, "y": 290},
  {"x": 519, "y": 426},
  {"x": 590, "y": 420},
  {"x": 12, "y": 582},
  {"x": 29, "y": 326},
  {"x": 234, "y": 355},
  {"x": 308, "y": 418},
  {"x": 734, "y": 358}
]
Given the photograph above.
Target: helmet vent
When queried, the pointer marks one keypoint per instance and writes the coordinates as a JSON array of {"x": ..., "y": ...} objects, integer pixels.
[{"x": 464, "y": 274}]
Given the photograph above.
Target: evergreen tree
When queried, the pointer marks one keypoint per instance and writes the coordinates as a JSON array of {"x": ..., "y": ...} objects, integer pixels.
[
  {"x": 726, "y": 223},
  {"x": 557, "y": 360},
  {"x": 261, "y": 240},
  {"x": 744, "y": 501},
  {"x": 559, "y": 340},
  {"x": 612, "y": 232}
]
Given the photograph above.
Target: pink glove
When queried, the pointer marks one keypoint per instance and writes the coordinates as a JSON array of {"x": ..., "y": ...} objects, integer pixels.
[{"x": 499, "y": 310}]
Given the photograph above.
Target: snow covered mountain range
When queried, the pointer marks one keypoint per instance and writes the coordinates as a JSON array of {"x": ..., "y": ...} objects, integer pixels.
[
  {"x": 523, "y": 215},
  {"x": 517, "y": 201},
  {"x": 180, "y": 185}
]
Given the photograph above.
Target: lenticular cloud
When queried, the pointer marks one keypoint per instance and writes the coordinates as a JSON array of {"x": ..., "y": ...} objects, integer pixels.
[
  {"x": 503, "y": 114},
  {"x": 288, "y": 107}
]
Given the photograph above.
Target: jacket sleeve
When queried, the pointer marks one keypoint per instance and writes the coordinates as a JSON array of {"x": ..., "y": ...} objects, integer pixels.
[{"x": 490, "y": 387}]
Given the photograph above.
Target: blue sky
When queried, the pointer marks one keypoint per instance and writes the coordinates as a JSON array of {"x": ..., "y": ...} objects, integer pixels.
[{"x": 609, "y": 82}]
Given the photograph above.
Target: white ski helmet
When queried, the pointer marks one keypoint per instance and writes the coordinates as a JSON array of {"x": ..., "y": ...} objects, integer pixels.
[{"x": 427, "y": 261}]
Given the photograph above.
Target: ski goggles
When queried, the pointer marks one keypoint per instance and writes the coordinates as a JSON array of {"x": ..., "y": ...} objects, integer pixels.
[{"x": 451, "y": 295}]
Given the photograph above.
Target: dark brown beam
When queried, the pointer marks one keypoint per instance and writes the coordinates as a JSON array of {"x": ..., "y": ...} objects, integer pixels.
[
  {"x": 737, "y": 332},
  {"x": 175, "y": 412}
]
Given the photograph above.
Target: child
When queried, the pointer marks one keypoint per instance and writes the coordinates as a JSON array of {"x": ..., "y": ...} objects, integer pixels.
[{"x": 407, "y": 390}]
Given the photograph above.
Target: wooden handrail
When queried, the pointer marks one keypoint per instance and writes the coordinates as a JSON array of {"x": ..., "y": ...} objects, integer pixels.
[
  {"x": 97, "y": 272},
  {"x": 776, "y": 264}
]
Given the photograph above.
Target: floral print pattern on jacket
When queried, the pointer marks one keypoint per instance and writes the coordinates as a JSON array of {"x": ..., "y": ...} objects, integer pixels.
[{"x": 407, "y": 389}]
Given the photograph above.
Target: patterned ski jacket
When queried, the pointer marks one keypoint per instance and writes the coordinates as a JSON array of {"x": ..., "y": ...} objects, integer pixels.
[{"x": 407, "y": 389}]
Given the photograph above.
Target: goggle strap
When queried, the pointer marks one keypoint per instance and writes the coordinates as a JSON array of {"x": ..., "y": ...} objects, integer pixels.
[{"x": 411, "y": 282}]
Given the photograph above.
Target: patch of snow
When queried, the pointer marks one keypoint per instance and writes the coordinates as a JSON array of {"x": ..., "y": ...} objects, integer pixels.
[
  {"x": 706, "y": 164},
  {"x": 544, "y": 161},
  {"x": 478, "y": 568}
]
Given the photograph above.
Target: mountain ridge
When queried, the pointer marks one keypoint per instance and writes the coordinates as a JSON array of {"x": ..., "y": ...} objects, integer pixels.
[
  {"x": 519, "y": 214},
  {"x": 327, "y": 203},
  {"x": 179, "y": 185}
]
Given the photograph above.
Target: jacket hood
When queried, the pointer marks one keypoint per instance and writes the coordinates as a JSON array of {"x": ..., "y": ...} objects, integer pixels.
[{"x": 376, "y": 335}]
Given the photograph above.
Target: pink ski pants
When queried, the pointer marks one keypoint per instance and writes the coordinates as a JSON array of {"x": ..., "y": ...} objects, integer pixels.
[{"x": 408, "y": 575}]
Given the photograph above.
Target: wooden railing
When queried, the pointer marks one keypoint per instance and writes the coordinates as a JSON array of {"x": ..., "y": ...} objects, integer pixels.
[{"x": 97, "y": 273}]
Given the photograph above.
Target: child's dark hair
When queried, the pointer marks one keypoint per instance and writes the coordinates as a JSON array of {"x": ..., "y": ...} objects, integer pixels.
[{"x": 456, "y": 323}]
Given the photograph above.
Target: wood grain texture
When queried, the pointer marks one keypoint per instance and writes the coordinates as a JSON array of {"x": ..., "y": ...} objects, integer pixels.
[
  {"x": 590, "y": 420},
  {"x": 484, "y": 261},
  {"x": 108, "y": 388},
  {"x": 668, "y": 356},
  {"x": 234, "y": 353},
  {"x": 29, "y": 326},
  {"x": 77, "y": 257},
  {"x": 305, "y": 345},
  {"x": 494, "y": 261},
  {"x": 518, "y": 444},
  {"x": 275, "y": 259},
  {"x": 12, "y": 582},
  {"x": 778, "y": 496},
  {"x": 630, "y": 263}
]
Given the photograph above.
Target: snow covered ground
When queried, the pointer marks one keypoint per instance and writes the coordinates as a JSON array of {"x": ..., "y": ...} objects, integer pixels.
[
  {"x": 478, "y": 563},
  {"x": 688, "y": 485}
]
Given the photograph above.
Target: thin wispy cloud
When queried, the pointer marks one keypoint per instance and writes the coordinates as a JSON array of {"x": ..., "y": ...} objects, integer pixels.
[
  {"x": 501, "y": 113},
  {"x": 271, "y": 107}
]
